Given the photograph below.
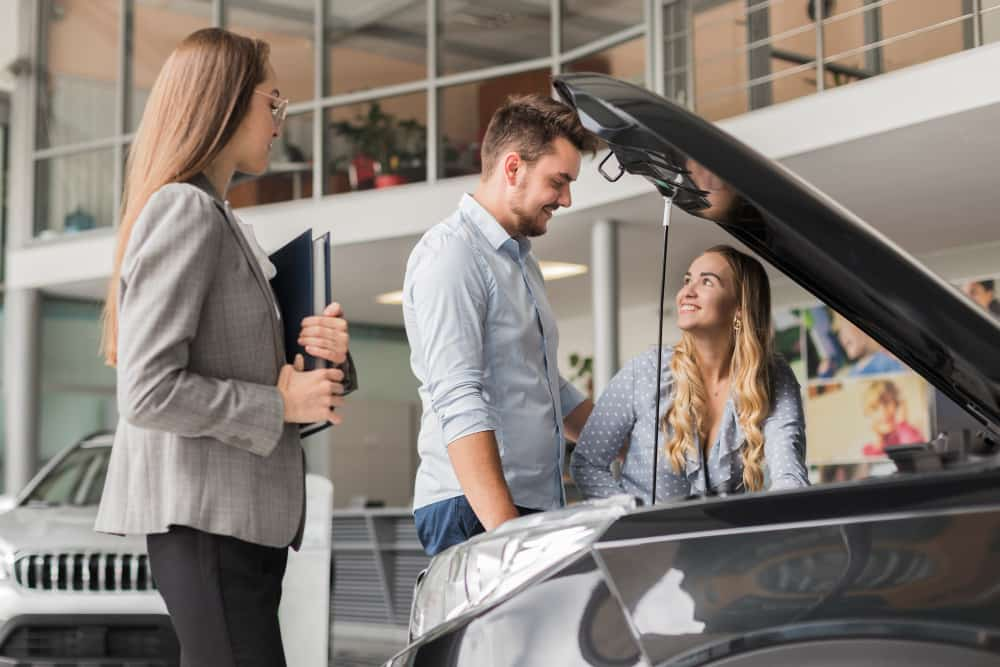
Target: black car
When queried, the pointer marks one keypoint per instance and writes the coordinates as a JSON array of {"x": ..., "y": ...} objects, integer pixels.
[{"x": 897, "y": 570}]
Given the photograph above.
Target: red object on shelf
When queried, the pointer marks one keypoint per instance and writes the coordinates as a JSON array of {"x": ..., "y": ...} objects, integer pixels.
[
  {"x": 361, "y": 172},
  {"x": 389, "y": 180}
]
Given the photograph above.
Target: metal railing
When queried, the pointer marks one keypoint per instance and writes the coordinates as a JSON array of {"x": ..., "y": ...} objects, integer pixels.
[
  {"x": 718, "y": 57},
  {"x": 743, "y": 55}
]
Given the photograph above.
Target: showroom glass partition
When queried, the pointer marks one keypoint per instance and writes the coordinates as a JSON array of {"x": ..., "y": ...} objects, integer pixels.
[
  {"x": 382, "y": 93},
  {"x": 385, "y": 93}
]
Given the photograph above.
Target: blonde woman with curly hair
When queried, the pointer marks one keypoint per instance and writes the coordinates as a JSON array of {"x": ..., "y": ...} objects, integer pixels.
[{"x": 727, "y": 399}]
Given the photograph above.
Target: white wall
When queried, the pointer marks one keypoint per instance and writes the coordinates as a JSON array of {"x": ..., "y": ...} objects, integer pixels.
[
  {"x": 637, "y": 333},
  {"x": 991, "y": 26}
]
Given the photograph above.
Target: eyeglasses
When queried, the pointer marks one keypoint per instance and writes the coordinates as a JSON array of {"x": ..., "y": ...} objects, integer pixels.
[{"x": 279, "y": 110}]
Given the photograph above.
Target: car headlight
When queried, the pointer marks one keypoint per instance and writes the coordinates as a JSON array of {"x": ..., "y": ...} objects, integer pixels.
[{"x": 491, "y": 566}]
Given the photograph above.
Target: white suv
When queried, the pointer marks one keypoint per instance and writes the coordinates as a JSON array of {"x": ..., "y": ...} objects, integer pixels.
[{"x": 69, "y": 595}]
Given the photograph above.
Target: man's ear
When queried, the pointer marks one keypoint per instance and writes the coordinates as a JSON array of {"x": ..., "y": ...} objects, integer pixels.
[{"x": 512, "y": 162}]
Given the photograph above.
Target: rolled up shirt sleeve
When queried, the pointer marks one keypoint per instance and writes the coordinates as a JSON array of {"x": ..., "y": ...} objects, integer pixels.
[
  {"x": 785, "y": 433},
  {"x": 569, "y": 397},
  {"x": 449, "y": 295}
]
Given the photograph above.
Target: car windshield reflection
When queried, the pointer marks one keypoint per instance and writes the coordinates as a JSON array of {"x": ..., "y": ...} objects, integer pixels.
[{"x": 77, "y": 480}]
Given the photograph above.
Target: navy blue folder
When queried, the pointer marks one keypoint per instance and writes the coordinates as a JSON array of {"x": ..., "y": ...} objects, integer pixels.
[
  {"x": 299, "y": 296},
  {"x": 296, "y": 291}
]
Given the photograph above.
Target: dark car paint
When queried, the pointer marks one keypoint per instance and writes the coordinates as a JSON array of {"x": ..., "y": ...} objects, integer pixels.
[
  {"x": 903, "y": 570},
  {"x": 912, "y": 576},
  {"x": 898, "y": 559}
]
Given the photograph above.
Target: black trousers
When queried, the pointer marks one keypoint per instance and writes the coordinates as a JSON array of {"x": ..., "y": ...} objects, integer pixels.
[{"x": 222, "y": 594}]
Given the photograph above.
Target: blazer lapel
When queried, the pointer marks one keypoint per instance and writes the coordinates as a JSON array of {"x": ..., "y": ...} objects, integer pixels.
[
  {"x": 265, "y": 285},
  {"x": 200, "y": 181}
]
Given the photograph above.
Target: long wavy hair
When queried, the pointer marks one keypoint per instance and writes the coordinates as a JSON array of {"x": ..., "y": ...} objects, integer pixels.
[
  {"x": 749, "y": 374},
  {"x": 198, "y": 101}
]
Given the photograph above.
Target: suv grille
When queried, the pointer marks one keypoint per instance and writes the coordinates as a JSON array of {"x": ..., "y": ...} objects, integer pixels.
[
  {"x": 87, "y": 641},
  {"x": 113, "y": 640},
  {"x": 84, "y": 572}
]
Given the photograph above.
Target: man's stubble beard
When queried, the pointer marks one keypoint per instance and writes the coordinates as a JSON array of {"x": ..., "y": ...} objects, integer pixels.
[{"x": 527, "y": 226}]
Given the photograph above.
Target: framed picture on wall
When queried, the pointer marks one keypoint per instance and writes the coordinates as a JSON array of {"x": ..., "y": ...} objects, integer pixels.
[{"x": 857, "y": 397}]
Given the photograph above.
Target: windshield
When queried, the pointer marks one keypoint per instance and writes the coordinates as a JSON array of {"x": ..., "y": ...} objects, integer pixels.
[{"x": 77, "y": 480}]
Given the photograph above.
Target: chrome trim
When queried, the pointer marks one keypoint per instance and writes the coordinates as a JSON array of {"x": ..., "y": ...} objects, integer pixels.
[
  {"x": 85, "y": 571},
  {"x": 25, "y": 568},
  {"x": 53, "y": 570},
  {"x": 71, "y": 572},
  {"x": 118, "y": 568},
  {"x": 134, "y": 571},
  {"x": 39, "y": 564},
  {"x": 102, "y": 566},
  {"x": 31, "y": 571}
]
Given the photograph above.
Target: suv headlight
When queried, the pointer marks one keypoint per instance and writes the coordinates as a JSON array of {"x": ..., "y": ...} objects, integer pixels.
[{"x": 492, "y": 566}]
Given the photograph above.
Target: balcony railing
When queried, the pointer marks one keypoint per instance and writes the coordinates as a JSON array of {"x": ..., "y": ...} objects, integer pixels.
[
  {"x": 366, "y": 124},
  {"x": 750, "y": 54}
]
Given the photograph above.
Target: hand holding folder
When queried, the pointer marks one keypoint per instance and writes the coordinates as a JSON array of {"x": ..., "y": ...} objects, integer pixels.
[{"x": 302, "y": 289}]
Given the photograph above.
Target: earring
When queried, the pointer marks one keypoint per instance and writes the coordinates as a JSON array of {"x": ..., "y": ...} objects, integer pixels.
[{"x": 737, "y": 325}]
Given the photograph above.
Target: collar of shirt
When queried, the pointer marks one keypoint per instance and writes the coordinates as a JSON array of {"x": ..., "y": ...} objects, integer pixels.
[
  {"x": 266, "y": 266},
  {"x": 494, "y": 232},
  {"x": 719, "y": 455}
]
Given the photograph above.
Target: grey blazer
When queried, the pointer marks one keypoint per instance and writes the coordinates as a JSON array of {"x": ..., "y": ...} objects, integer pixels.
[{"x": 201, "y": 441}]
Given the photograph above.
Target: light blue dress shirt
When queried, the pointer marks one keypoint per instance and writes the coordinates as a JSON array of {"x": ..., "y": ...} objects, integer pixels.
[{"x": 483, "y": 343}]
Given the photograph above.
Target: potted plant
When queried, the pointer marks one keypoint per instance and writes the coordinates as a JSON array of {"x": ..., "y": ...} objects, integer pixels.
[
  {"x": 383, "y": 145},
  {"x": 583, "y": 369}
]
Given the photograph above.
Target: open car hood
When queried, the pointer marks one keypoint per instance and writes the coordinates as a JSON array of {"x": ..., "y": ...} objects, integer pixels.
[{"x": 820, "y": 245}]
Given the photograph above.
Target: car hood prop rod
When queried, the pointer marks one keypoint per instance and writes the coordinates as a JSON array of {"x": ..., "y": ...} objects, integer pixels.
[{"x": 668, "y": 206}]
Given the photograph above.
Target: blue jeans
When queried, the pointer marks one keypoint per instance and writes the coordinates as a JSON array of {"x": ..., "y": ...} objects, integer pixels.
[{"x": 449, "y": 522}]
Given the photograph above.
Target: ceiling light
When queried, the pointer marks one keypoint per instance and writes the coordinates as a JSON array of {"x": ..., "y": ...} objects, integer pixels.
[
  {"x": 391, "y": 298},
  {"x": 557, "y": 270},
  {"x": 550, "y": 271}
]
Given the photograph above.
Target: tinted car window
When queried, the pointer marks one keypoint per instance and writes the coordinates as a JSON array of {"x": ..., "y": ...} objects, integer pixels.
[{"x": 77, "y": 480}]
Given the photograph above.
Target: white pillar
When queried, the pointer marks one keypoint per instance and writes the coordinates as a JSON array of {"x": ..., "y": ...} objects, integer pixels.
[
  {"x": 22, "y": 307},
  {"x": 20, "y": 385},
  {"x": 604, "y": 277}
]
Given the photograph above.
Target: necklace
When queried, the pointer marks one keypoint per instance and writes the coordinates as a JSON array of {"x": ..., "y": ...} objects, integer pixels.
[{"x": 719, "y": 387}]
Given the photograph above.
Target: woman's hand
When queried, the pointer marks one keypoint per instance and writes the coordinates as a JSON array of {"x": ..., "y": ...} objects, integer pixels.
[
  {"x": 311, "y": 396},
  {"x": 325, "y": 336}
]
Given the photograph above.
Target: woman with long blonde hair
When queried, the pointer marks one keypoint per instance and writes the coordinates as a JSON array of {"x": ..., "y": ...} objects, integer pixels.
[
  {"x": 727, "y": 399},
  {"x": 207, "y": 462}
]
